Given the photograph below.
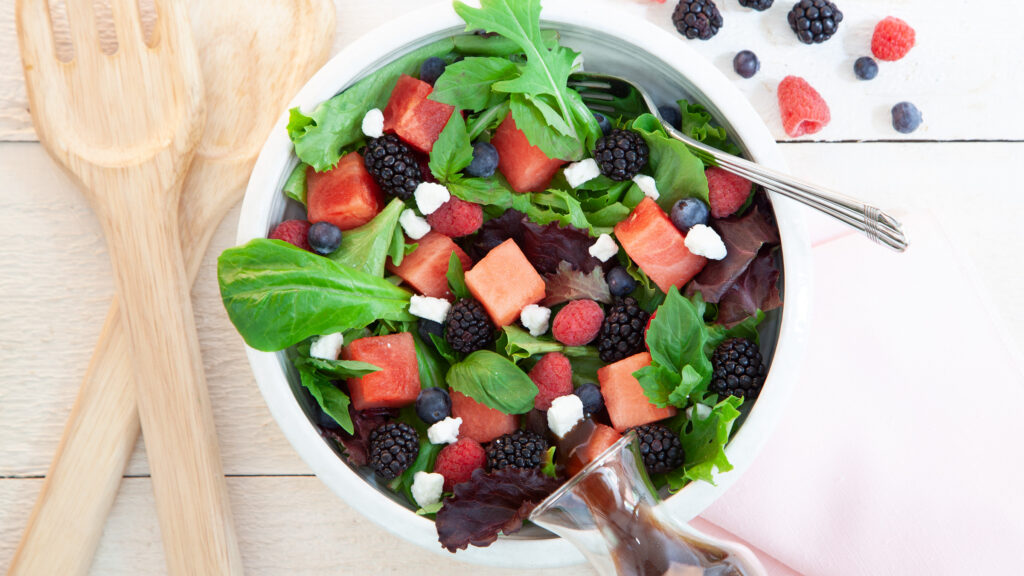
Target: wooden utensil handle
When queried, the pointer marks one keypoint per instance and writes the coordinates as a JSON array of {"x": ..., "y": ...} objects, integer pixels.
[{"x": 141, "y": 227}]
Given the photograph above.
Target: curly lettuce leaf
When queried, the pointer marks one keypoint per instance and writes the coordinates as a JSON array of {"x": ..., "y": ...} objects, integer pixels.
[
  {"x": 295, "y": 186},
  {"x": 699, "y": 125},
  {"x": 704, "y": 437},
  {"x": 519, "y": 344},
  {"x": 743, "y": 237},
  {"x": 677, "y": 171}
]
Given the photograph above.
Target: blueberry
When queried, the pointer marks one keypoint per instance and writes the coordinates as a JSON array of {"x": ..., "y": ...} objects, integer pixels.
[
  {"x": 325, "y": 421},
  {"x": 865, "y": 68},
  {"x": 324, "y": 238},
  {"x": 689, "y": 212},
  {"x": 672, "y": 115},
  {"x": 431, "y": 69},
  {"x": 604, "y": 123},
  {"x": 485, "y": 160},
  {"x": 906, "y": 117},
  {"x": 620, "y": 283},
  {"x": 428, "y": 327},
  {"x": 591, "y": 397},
  {"x": 433, "y": 405},
  {"x": 746, "y": 64}
]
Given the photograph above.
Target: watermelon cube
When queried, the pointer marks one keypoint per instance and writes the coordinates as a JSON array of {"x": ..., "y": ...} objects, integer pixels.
[
  {"x": 527, "y": 168},
  {"x": 415, "y": 118},
  {"x": 426, "y": 268},
  {"x": 504, "y": 281},
  {"x": 624, "y": 398},
  {"x": 397, "y": 384},
  {"x": 658, "y": 247},
  {"x": 601, "y": 439},
  {"x": 479, "y": 421},
  {"x": 346, "y": 196}
]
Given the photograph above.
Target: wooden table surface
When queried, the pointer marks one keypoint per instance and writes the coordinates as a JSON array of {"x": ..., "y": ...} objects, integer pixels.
[{"x": 966, "y": 76}]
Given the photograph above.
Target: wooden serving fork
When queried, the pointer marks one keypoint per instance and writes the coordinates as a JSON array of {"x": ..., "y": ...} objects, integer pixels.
[{"x": 125, "y": 126}]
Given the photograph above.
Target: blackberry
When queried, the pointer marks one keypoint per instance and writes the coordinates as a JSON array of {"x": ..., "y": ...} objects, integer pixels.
[
  {"x": 814, "y": 21},
  {"x": 737, "y": 369},
  {"x": 468, "y": 328},
  {"x": 393, "y": 448},
  {"x": 621, "y": 154},
  {"x": 660, "y": 448},
  {"x": 519, "y": 449},
  {"x": 393, "y": 166},
  {"x": 759, "y": 5},
  {"x": 697, "y": 18},
  {"x": 622, "y": 332}
]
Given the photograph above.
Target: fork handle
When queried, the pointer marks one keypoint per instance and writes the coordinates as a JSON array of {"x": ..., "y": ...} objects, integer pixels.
[
  {"x": 869, "y": 220},
  {"x": 141, "y": 224}
]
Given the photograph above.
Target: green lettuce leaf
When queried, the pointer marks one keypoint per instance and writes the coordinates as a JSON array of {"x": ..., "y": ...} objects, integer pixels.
[
  {"x": 678, "y": 173},
  {"x": 494, "y": 381},
  {"x": 453, "y": 151},
  {"x": 704, "y": 440},
  {"x": 466, "y": 85},
  {"x": 295, "y": 186},
  {"x": 477, "y": 45},
  {"x": 331, "y": 399},
  {"x": 457, "y": 277},
  {"x": 699, "y": 125},
  {"x": 518, "y": 344},
  {"x": 367, "y": 247}
]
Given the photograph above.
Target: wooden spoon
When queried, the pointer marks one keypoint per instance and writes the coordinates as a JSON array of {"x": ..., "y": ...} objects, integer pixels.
[{"x": 254, "y": 56}]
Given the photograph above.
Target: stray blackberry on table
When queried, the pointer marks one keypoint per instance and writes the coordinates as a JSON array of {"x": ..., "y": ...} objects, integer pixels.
[
  {"x": 697, "y": 19},
  {"x": 759, "y": 5},
  {"x": 814, "y": 21}
]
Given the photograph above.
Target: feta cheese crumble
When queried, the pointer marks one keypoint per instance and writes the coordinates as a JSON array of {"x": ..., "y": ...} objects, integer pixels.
[
  {"x": 435, "y": 309},
  {"x": 703, "y": 411},
  {"x": 427, "y": 488},
  {"x": 327, "y": 347},
  {"x": 565, "y": 412},
  {"x": 445, "y": 431},
  {"x": 414, "y": 226},
  {"x": 579, "y": 173},
  {"x": 604, "y": 248},
  {"x": 535, "y": 318},
  {"x": 703, "y": 241},
  {"x": 373, "y": 123},
  {"x": 430, "y": 196},
  {"x": 647, "y": 185}
]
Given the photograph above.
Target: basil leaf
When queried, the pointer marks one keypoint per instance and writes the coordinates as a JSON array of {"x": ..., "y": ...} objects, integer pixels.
[
  {"x": 493, "y": 191},
  {"x": 679, "y": 366},
  {"x": 477, "y": 45},
  {"x": 466, "y": 85},
  {"x": 445, "y": 349},
  {"x": 548, "y": 468},
  {"x": 457, "y": 277},
  {"x": 453, "y": 151},
  {"x": 494, "y": 381},
  {"x": 519, "y": 344},
  {"x": 678, "y": 173},
  {"x": 338, "y": 369},
  {"x": 277, "y": 294},
  {"x": 295, "y": 185},
  {"x": 367, "y": 247},
  {"x": 332, "y": 401},
  {"x": 431, "y": 367}
]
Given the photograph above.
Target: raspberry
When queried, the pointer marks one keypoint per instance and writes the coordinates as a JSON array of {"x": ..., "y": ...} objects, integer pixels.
[
  {"x": 553, "y": 377},
  {"x": 803, "y": 110},
  {"x": 892, "y": 39},
  {"x": 457, "y": 461},
  {"x": 456, "y": 218},
  {"x": 578, "y": 323},
  {"x": 294, "y": 232},
  {"x": 727, "y": 192}
]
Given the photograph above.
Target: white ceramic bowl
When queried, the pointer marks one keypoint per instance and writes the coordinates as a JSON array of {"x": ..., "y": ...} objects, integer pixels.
[{"x": 614, "y": 43}]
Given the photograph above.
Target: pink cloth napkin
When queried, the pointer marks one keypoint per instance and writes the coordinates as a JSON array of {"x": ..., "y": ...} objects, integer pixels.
[{"x": 902, "y": 451}]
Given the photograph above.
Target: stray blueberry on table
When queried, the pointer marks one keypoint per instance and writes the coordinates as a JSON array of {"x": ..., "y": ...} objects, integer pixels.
[
  {"x": 672, "y": 116},
  {"x": 687, "y": 213},
  {"x": 620, "y": 283},
  {"x": 814, "y": 21},
  {"x": 746, "y": 64},
  {"x": 433, "y": 405},
  {"x": 591, "y": 397},
  {"x": 431, "y": 69},
  {"x": 697, "y": 19},
  {"x": 485, "y": 160},
  {"x": 906, "y": 117},
  {"x": 604, "y": 123},
  {"x": 324, "y": 238},
  {"x": 865, "y": 68},
  {"x": 759, "y": 5}
]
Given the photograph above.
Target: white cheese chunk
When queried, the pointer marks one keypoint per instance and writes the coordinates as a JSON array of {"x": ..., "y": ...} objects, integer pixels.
[
  {"x": 703, "y": 241},
  {"x": 535, "y": 318},
  {"x": 565, "y": 412},
  {"x": 579, "y": 173},
  {"x": 415, "y": 227},
  {"x": 435, "y": 309},
  {"x": 604, "y": 248},
  {"x": 427, "y": 488},
  {"x": 444, "y": 431},
  {"x": 430, "y": 196},
  {"x": 647, "y": 185},
  {"x": 327, "y": 347},
  {"x": 373, "y": 123}
]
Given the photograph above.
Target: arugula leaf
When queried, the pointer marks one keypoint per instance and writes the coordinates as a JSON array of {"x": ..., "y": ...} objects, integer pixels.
[
  {"x": 544, "y": 127},
  {"x": 679, "y": 367},
  {"x": 335, "y": 124},
  {"x": 457, "y": 277},
  {"x": 704, "y": 441},
  {"x": 466, "y": 85},
  {"x": 453, "y": 151},
  {"x": 519, "y": 344},
  {"x": 367, "y": 247},
  {"x": 295, "y": 185},
  {"x": 494, "y": 381},
  {"x": 477, "y": 45},
  {"x": 277, "y": 294},
  {"x": 678, "y": 173},
  {"x": 332, "y": 400}
]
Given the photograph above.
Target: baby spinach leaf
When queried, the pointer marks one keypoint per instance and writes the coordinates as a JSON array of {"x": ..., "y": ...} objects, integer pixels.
[
  {"x": 494, "y": 381},
  {"x": 331, "y": 399},
  {"x": 492, "y": 191},
  {"x": 457, "y": 277},
  {"x": 277, "y": 294},
  {"x": 453, "y": 151},
  {"x": 431, "y": 367},
  {"x": 295, "y": 186},
  {"x": 478, "y": 45},
  {"x": 367, "y": 247},
  {"x": 466, "y": 85},
  {"x": 519, "y": 344},
  {"x": 678, "y": 173}
]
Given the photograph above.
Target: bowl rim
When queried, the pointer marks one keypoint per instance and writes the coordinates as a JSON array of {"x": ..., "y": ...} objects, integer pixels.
[{"x": 724, "y": 100}]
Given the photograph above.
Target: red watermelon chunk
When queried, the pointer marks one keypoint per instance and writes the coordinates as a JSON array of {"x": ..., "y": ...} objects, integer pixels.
[
  {"x": 504, "y": 281},
  {"x": 624, "y": 398},
  {"x": 346, "y": 196},
  {"x": 426, "y": 268},
  {"x": 481, "y": 422},
  {"x": 601, "y": 439},
  {"x": 658, "y": 247},
  {"x": 526, "y": 167},
  {"x": 415, "y": 118},
  {"x": 398, "y": 382}
]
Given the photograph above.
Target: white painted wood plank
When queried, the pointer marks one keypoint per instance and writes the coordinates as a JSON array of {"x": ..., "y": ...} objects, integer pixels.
[
  {"x": 286, "y": 525},
  {"x": 965, "y": 73}
]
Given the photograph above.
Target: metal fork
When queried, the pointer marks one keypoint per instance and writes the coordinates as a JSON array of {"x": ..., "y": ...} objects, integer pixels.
[{"x": 611, "y": 95}]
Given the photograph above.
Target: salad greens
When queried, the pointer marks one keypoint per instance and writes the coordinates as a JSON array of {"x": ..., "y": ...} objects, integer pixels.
[
  {"x": 295, "y": 186},
  {"x": 368, "y": 247},
  {"x": 678, "y": 173},
  {"x": 494, "y": 381}
]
